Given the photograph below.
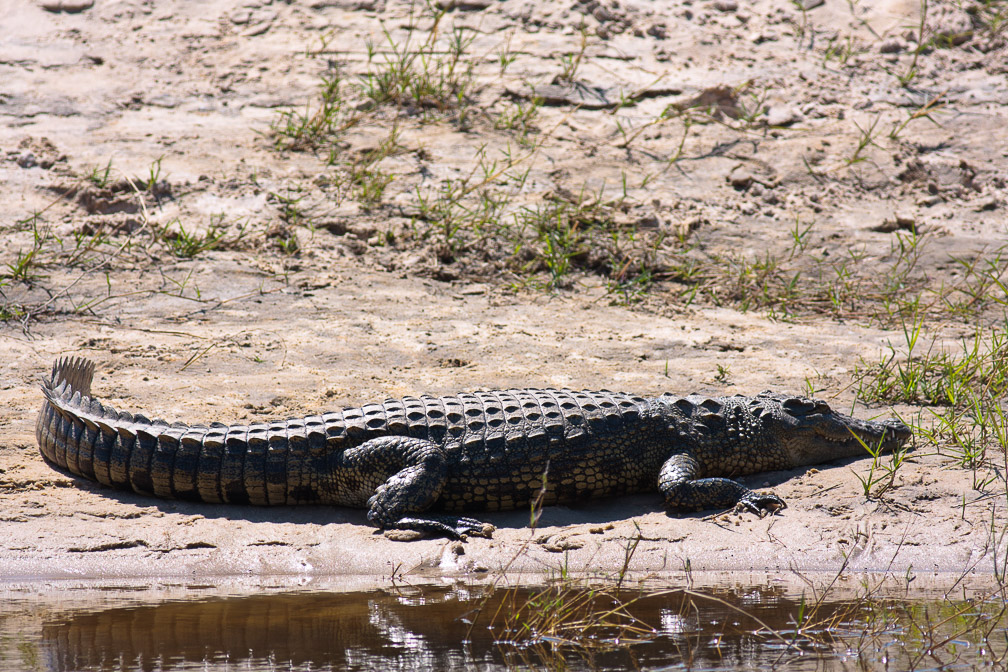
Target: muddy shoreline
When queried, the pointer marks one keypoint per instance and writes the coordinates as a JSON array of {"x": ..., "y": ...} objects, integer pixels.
[{"x": 683, "y": 196}]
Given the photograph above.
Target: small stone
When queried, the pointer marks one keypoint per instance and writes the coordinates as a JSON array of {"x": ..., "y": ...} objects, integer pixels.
[
  {"x": 602, "y": 14},
  {"x": 403, "y": 535},
  {"x": 740, "y": 178},
  {"x": 781, "y": 116},
  {"x": 68, "y": 6},
  {"x": 764, "y": 36},
  {"x": 725, "y": 5},
  {"x": 27, "y": 160},
  {"x": 904, "y": 222},
  {"x": 463, "y": 5},
  {"x": 987, "y": 204},
  {"x": 893, "y": 45},
  {"x": 658, "y": 31},
  {"x": 457, "y": 548},
  {"x": 951, "y": 26}
]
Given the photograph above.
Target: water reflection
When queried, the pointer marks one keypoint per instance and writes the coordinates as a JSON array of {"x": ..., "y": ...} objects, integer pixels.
[
  {"x": 305, "y": 631},
  {"x": 428, "y": 629}
]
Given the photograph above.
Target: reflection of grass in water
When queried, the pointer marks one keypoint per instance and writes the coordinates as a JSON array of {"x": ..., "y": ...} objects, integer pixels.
[
  {"x": 579, "y": 618},
  {"x": 29, "y": 655},
  {"x": 572, "y": 621}
]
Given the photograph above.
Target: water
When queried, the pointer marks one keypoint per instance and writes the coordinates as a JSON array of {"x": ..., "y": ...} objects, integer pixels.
[{"x": 467, "y": 628}]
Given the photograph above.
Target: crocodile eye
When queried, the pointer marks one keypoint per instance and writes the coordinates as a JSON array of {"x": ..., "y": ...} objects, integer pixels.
[{"x": 798, "y": 406}]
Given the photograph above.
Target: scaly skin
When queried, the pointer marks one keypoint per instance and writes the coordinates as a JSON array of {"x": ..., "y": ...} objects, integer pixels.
[{"x": 485, "y": 451}]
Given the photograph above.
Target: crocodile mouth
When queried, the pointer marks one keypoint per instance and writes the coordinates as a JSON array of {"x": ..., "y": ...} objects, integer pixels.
[{"x": 890, "y": 434}]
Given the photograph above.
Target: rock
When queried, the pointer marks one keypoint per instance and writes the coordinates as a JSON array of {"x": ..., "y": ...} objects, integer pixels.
[
  {"x": 987, "y": 204},
  {"x": 768, "y": 35},
  {"x": 350, "y": 5},
  {"x": 782, "y": 116},
  {"x": 893, "y": 45},
  {"x": 26, "y": 160},
  {"x": 658, "y": 31},
  {"x": 603, "y": 14},
  {"x": 898, "y": 222},
  {"x": 950, "y": 26},
  {"x": 68, "y": 6},
  {"x": 718, "y": 101},
  {"x": 725, "y": 5},
  {"x": 463, "y": 5},
  {"x": 740, "y": 178},
  {"x": 571, "y": 93}
]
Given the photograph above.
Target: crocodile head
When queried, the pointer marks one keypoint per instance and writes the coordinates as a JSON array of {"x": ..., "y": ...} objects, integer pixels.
[{"x": 810, "y": 432}]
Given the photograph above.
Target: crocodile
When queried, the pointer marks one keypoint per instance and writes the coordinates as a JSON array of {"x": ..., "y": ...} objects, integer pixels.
[{"x": 418, "y": 463}]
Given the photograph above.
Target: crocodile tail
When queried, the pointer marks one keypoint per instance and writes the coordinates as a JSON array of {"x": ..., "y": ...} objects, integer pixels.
[
  {"x": 67, "y": 417},
  {"x": 257, "y": 464},
  {"x": 76, "y": 373}
]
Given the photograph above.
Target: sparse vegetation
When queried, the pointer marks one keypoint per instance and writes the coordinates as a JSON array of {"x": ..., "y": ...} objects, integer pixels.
[
  {"x": 182, "y": 243},
  {"x": 577, "y": 620},
  {"x": 434, "y": 144}
]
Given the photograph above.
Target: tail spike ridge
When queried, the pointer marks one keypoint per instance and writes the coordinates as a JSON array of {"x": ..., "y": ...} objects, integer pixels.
[{"x": 75, "y": 372}]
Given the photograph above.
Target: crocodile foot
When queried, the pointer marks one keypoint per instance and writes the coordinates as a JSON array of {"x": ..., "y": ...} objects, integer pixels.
[
  {"x": 446, "y": 526},
  {"x": 760, "y": 503}
]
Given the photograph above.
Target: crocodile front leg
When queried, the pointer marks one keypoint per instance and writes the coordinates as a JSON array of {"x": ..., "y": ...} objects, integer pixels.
[
  {"x": 683, "y": 491},
  {"x": 415, "y": 485}
]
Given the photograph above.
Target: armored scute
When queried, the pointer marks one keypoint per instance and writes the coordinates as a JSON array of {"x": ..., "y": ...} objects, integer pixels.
[{"x": 418, "y": 462}]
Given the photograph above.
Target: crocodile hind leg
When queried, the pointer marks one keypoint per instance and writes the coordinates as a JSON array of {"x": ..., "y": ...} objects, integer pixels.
[
  {"x": 418, "y": 472},
  {"x": 681, "y": 489}
]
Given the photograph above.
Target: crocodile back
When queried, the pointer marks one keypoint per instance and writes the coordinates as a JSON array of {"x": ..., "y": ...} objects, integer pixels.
[
  {"x": 498, "y": 445},
  {"x": 503, "y": 445}
]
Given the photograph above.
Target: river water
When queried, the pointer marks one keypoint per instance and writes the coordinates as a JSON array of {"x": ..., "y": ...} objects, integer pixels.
[{"x": 564, "y": 625}]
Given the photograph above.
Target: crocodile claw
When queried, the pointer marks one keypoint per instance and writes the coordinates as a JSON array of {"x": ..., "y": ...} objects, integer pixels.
[
  {"x": 474, "y": 528},
  {"x": 760, "y": 503},
  {"x": 446, "y": 526}
]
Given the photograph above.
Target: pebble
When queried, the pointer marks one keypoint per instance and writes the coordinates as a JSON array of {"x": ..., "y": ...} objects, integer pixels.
[
  {"x": 68, "y": 6},
  {"x": 587, "y": 97},
  {"x": 463, "y": 5},
  {"x": 403, "y": 535},
  {"x": 765, "y": 36},
  {"x": 952, "y": 25},
  {"x": 899, "y": 222},
  {"x": 991, "y": 203},
  {"x": 658, "y": 31},
  {"x": 740, "y": 178},
  {"x": 725, "y": 5},
  {"x": 892, "y": 46},
  {"x": 782, "y": 116}
]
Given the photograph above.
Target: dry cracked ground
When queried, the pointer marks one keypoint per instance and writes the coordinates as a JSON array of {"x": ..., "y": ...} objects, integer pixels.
[{"x": 262, "y": 210}]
